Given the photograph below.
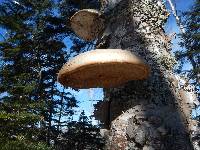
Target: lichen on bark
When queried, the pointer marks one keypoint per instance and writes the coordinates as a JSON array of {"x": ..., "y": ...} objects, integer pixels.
[{"x": 147, "y": 114}]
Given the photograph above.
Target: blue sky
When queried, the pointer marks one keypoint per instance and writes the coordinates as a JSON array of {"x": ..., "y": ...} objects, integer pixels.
[
  {"x": 85, "y": 96},
  {"x": 171, "y": 26}
]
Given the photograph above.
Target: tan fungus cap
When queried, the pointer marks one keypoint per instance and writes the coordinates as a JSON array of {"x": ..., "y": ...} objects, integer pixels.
[
  {"x": 102, "y": 68},
  {"x": 87, "y": 24}
]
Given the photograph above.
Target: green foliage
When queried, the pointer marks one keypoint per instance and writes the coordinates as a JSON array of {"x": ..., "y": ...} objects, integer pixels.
[
  {"x": 23, "y": 145},
  {"x": 81, "y": 135},
  {"x": 33, "y": 107},
  {"x": 191, "y": 41}
]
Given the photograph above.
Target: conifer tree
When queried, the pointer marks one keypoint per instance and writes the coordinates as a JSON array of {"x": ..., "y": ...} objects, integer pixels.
[
  {"x": 81, "y": 135},
  {"x": 191, "y": 42},
  {"x": 34, "y": 108},
  {"x": 32, "y": 105}
]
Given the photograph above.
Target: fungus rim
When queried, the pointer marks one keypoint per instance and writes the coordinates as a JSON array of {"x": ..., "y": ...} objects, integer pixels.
[{"x": 87, "y": 60}]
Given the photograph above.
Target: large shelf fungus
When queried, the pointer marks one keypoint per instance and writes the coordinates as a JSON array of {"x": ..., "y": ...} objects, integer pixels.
[
  {"x": 103, "y": 68},
  {"x": 87, "y": 24}
]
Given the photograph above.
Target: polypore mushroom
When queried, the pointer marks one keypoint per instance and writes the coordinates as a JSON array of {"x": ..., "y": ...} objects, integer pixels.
[
  {"x": 87, "y": 24},
  {"x": 102, "y": 68}
]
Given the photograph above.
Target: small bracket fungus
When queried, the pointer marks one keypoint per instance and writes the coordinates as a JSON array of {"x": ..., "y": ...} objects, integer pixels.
[
  {"x": 87, "y": 24},
  {"x": 102, "y": 68}
]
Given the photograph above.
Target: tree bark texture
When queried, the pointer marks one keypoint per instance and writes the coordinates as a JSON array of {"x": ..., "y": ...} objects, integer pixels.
[{"x": 152, "y": 114}]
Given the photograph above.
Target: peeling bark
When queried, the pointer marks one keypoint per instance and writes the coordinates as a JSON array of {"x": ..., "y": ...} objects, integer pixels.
[{"x": 153, "y": 114}]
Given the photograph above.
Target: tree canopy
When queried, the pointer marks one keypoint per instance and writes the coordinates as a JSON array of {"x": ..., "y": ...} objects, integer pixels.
[
  {"x": 190, "y": 41},
  {"x": 34, "y": 108}
]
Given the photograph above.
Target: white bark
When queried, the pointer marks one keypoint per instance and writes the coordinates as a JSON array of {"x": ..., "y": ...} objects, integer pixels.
[{"x": 178, "y": 21}]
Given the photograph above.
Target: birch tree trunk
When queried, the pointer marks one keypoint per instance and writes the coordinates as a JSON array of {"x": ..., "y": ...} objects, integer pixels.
[
  {"x": 178, "y": 21},
  {"x": 152, "y": 114}
]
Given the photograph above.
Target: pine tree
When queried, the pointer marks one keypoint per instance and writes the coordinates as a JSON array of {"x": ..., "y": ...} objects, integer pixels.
[
  {"x": 191, "y": 43},
  {"x": 17, "y": 77},
  {"x": 34, "y": 108},
  {"x": 33, "y": 105},
  {"x": 81, "y": 135}
]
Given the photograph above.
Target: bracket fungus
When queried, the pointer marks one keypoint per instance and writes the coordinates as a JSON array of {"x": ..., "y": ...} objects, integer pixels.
[
  {"x": 102, "y": 68},
  {"x": 87, "y": 24}
]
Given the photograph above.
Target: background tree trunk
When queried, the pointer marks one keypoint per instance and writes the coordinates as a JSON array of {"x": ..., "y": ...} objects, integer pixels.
[
  {"x": 178, "y": 21},
  {"x": 153, "y": 113}
]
